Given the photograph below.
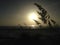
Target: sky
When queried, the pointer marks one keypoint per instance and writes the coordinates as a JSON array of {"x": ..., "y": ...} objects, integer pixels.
[{"x": 14, "y": 12}]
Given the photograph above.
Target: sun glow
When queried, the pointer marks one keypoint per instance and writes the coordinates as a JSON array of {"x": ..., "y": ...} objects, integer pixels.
[
  {"x": 33, "y": 26},
  {"x": 33, "y": 16}
]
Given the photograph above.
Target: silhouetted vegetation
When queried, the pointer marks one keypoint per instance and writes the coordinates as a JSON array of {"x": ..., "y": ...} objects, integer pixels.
[
  {"x": 37, "y": 22},
  {"x": 45, "y": 17}
]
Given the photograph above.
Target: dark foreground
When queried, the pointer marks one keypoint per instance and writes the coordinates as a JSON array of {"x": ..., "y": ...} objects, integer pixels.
[{"x": 28, "y": 36}]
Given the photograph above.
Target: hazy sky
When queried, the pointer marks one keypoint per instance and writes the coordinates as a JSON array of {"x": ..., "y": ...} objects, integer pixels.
[{"x": 14, "y": 12}]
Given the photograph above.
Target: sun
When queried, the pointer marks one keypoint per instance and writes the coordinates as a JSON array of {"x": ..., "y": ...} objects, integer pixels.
[{"x": 33, "y": 16}]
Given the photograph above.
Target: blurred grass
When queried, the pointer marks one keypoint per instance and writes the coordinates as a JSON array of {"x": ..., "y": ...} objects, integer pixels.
[{"x": 23, "y": 35}]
